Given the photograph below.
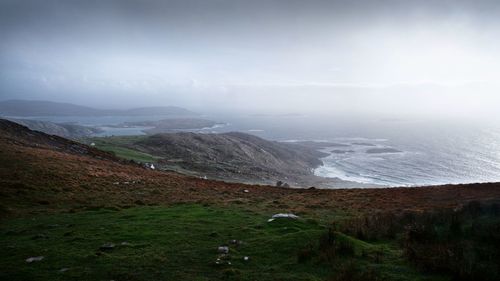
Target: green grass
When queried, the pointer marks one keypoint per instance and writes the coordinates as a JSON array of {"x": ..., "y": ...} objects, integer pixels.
[
  {"x": 176, "y": 243},
  {"x": 117, "y": 145},
  {"x": 179, "y": 243}
]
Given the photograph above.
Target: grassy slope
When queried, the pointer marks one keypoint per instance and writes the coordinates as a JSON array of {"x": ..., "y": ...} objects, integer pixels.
[
  {"x": 117, "y": 145},
  {"x": 175, "y": 243}
]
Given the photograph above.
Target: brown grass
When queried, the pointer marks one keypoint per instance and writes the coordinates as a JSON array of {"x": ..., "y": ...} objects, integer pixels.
[{"x": 32, "y": 177}]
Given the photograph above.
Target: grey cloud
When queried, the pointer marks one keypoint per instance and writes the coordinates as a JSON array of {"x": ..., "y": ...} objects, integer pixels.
[{"x": 246, "y": 52}]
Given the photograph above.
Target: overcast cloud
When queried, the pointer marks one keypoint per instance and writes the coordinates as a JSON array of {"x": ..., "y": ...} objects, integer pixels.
[{"x": 290, "y": 56}]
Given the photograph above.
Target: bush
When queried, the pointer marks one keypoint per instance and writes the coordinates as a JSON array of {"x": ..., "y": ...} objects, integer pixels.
[
  {"x": 463, "y": 243},
  {"x": 333, "y": 245}
]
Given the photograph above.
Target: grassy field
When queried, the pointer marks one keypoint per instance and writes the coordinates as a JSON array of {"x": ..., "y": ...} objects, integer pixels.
[
  {"x": 180, "y": 243},
  {"x": 117, "y": 145}
]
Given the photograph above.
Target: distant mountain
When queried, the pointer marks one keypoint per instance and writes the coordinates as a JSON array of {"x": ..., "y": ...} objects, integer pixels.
[
  {"x": 70, "y": 131},
  {"x": 171, "y": 124},
  {"x": 157, "y": 110},
  {"x": 44, "y": 108},
  {"x": 24, "y": 108}
]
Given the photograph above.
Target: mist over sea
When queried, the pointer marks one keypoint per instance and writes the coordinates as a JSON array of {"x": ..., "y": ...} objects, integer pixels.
[{"x": 423, "y": 152}]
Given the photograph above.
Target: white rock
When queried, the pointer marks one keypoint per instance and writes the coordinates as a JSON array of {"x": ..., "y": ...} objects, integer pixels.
[
  {"x": 223, "y": 249},
  {"x": 283, "y": 215},
  {"x": 246, "y": 191},
  {"x": 33, "y": 259}
]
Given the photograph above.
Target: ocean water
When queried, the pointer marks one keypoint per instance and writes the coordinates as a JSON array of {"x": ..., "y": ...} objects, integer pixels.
[
  {"x": 421, "y": 152},
  {"x": 425, "y": 152}
]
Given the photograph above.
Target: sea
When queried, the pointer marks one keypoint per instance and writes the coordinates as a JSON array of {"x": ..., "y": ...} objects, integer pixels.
[{"x": 379, "y": 151}]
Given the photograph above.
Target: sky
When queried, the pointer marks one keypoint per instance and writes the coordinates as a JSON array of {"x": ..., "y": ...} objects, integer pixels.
[{"x": 383, "y": 57}]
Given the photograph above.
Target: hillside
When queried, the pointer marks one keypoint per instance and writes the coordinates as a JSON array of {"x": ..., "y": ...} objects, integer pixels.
[
  {"x": 65, "y": 130},
  {"x": 29, "y": 108},
  {"x": 88, "y": 216},
  {"x": 12, "y": 133},
  {"x": 236, "y": 156}
]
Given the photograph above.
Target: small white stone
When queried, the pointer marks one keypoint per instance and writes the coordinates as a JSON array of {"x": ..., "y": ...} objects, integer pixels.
[
  {"x": 223, "y": 249},
  {"x": 33, "y": 259}
]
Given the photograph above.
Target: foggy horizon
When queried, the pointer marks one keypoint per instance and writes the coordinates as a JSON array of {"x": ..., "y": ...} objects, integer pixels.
[{"x": 431, "y": 58}]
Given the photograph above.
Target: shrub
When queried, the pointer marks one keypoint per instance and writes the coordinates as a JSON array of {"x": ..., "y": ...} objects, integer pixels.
[
  {"x": 332, "y": 245},
  {"x": 463, "y": 243}
]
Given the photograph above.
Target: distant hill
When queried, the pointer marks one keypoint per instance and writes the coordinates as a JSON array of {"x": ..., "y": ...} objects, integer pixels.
[
  {"x": 70, "y": 131},
  {"x": 18, "y": 134},
  {"x": 170, "y": 124},
  {"x": 26, "y": 108},
  {"x": 231, "y": 155}
]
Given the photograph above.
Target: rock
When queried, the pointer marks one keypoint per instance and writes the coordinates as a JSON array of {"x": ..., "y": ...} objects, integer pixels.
[
  {"x": 63, "y": 269},
  {"x": 382, "y": 150},
  {"x": 363, "y": 144},
  {"x": 125, "y": 243},
  {"x": 338, "y": 151},
  {"x": 235, "y": 242},
  {"x": 283, "y": 215},
  {"x": 245, "y": 258},
  {"x": 223, "y": 259},
  {"x": 107, "y": 247},
  {"x": 223, "y": 249},
  {"x": 246, "y": 191},
  {"x": 34, "y": 259},
  {"x": 152, "y": 167},
  {"x": 39, "y": 236}
]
